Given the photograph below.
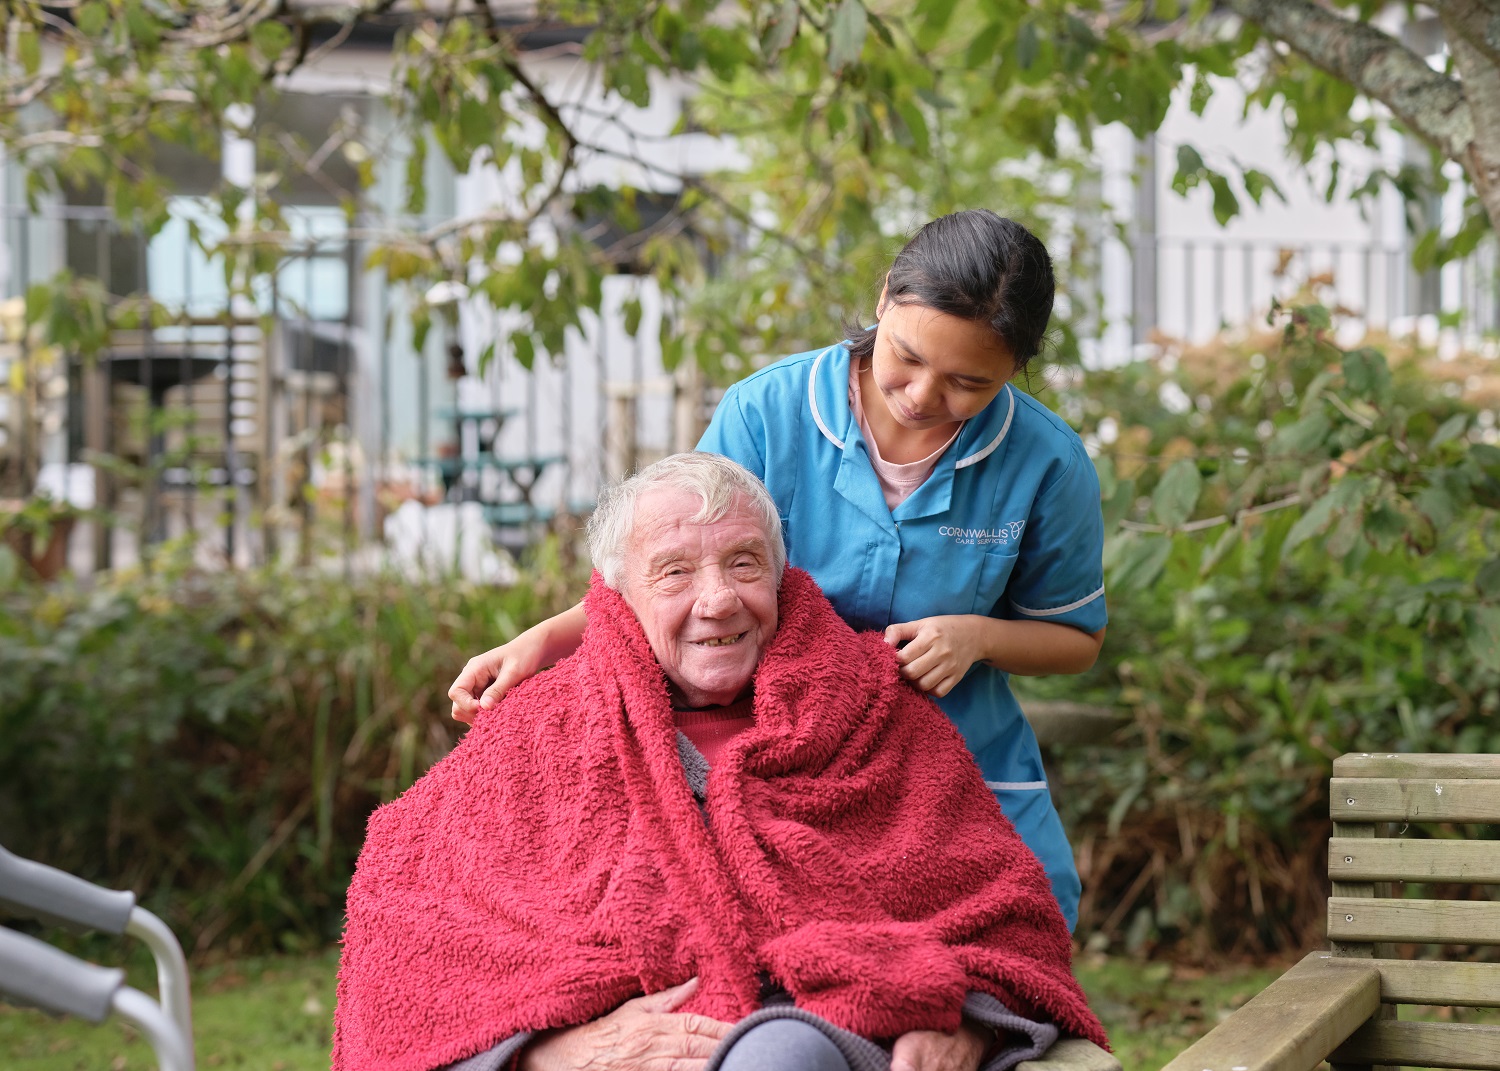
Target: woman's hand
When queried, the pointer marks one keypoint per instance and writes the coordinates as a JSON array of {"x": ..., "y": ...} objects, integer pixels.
[
  {"x": 931, "y": 1050},
  {"x": 940, "y": 650},
  {"x": 644, "y": 1034},
  {"x": 486, "y": 678}
]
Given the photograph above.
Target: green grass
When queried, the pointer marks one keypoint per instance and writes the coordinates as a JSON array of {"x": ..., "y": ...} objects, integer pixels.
[
  {"x": 265, "y": 1014},
  {"x": 275, "y": 1013},
  {"x": 1153, "y": 1010}
]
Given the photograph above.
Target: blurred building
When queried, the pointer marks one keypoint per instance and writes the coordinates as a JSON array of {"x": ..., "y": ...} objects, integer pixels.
[{"x": 256, "y": 423}]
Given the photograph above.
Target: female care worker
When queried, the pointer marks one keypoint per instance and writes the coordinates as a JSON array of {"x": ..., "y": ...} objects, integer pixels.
[{"x": 928, "y": 497}]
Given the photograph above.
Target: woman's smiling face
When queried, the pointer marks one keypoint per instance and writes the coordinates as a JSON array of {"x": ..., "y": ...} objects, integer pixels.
[{"x": 932, "y": 369}]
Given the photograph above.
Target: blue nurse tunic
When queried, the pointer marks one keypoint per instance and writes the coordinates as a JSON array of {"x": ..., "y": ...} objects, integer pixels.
[{"x": 1007, "y": 525}]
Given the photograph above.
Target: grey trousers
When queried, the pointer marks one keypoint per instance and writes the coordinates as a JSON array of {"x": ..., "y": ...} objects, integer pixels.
[{"x": 783, "y": 1045}]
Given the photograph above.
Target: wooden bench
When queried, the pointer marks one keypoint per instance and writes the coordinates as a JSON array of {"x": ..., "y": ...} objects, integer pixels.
[
  {"x": 1341, "y": 1005},
  {"x": 1072, "y": 1054}
]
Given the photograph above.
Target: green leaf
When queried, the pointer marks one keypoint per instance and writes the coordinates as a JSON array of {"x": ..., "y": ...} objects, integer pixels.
[
  {"x": 981, "y": 50},
  {"x": 1258, "y": 184},
  {"x": 524, "y": 349},
  {"x": 1142, "y": 562},
  {"x": 1118, "y": 505},
  {"x": 1367, "y": 374},
  {"x": 628, "y": 78},
  {"x": 1315, "y": 317},
  {"x": 1226, "y": 204},
  {"x": 29, "y": 46},
  {"x": 632, "y": 313},
  {"x": 846, "y": 34},
  {"x": 1346, "y": 533},
  {"x": 725, "y": 52},
  {"x": 781, "y": 29},
  {"x": 1028, "y": 45},
  {"x": 1189, "y": 162},
  {"x": 1201, "y": 93},
  {"x": 93, "y": 18},
  {"x": 1483, "y": 635},
  {"x": 271, "y": 38},
  {"x": 1436, "y": 504},
  {"x": 1177, "y": 493},
  {"x": 421, "y": 324},
  {"x": 1228, "y": 540},
  {"x": 1451, "y": 428},
  {"x": 1305, "y": 436},
  {"x": 936, "y": 14},
  {"x": 1312, "y": 521},
  {"x": 1488, "y": 580},
  {"x": 916, "y": 123},
  {"x": 143, "y": 28}
]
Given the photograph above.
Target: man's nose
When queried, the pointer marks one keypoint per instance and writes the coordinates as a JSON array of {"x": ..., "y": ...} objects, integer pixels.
[{"x": 717, "y": 599}]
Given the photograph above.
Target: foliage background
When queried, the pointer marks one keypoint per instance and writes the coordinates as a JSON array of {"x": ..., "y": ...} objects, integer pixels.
[
  {"x": 1353, "y": 610},
  {"x": 216, "y": 742},
  {"x": 1303, "y": 555}
]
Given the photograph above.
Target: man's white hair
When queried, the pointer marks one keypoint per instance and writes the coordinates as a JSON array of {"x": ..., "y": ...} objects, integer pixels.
[{"x": 717, "y": 482}]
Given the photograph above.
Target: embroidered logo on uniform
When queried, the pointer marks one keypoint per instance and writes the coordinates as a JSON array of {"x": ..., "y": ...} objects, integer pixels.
[{"x": 1005, "y": 534}]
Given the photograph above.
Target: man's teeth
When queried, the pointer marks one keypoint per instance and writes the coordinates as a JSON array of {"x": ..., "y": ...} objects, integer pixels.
[{"x": 723, "y": 641}]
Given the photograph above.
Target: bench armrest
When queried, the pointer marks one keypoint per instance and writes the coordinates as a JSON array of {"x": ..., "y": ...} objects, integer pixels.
[
  {"x": 1072, "y": 1054},
  {"x": 1294, "y": 1023}
]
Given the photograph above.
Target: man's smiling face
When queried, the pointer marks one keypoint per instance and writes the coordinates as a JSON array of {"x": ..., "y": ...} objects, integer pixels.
[{"x": 705, "y": 594}]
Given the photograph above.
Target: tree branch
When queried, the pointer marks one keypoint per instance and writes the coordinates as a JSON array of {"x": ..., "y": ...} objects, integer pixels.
[{"x": 1429, "y": 104}]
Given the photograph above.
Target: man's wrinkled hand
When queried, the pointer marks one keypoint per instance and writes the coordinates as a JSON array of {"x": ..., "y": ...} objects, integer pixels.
[
  {"x": 644, "y": 1034},
  {"x": 932, "y": 1050}
]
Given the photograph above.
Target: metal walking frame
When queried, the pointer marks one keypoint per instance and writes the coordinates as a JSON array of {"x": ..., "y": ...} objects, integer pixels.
[{"x": 33, "y": 972}]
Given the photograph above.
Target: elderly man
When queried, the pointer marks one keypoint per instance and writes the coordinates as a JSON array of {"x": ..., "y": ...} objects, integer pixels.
[{"x": 724, "y": 833}]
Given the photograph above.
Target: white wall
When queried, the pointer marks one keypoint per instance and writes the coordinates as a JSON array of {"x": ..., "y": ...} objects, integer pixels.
[{"x": 1208, "y": 275}]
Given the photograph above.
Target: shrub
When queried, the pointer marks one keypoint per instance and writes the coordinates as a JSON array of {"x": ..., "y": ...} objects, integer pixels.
[
  {"x": 1303, "y": 563},
  {"x": 216, "y": 742}
]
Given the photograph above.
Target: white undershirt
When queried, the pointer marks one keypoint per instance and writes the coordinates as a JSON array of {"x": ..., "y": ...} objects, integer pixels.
[{"x": 897, "y": 482}]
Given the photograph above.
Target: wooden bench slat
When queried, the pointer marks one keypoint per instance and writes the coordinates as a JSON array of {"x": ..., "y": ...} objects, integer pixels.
[
  {"x": 1072, "y": 1054},
  {"x": 1294, "y": 1022},
  {"x": 1388, "y": 1041},
  {"x": 1425, "y": 921},
  {"x": 1391, "y": 859},
  {"x": 1385, "y": 764},
  {"x": 1468, "y": 985},
  {"x": 1356, "y": 799}
]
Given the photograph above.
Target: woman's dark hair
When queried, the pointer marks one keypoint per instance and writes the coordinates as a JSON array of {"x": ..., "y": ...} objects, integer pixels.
[{"x": 977, "y": 266}]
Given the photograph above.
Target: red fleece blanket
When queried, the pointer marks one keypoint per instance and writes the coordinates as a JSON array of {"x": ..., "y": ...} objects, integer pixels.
[{"x": 556, "y": 864}]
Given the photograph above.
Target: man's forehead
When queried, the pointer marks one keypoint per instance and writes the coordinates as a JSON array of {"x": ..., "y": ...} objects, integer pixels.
[{"x": 665, "y": 526}]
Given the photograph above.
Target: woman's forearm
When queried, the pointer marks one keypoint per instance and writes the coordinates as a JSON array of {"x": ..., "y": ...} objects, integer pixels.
[
  {"x": 560, "y": 635},
  {"x": 1038, "y": 648}
]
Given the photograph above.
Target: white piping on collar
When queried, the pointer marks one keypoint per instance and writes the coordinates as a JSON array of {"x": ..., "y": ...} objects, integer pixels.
[
  {"x": 974, "y": 459},
  {"x": 812, "y": 402}
]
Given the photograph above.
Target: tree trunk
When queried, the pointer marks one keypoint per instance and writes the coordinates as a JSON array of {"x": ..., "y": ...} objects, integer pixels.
[{"x": 1468, "y": 31}]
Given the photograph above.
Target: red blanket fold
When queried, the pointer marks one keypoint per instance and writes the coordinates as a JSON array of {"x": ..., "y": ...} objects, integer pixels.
[{"x": 556, "y": 863}]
